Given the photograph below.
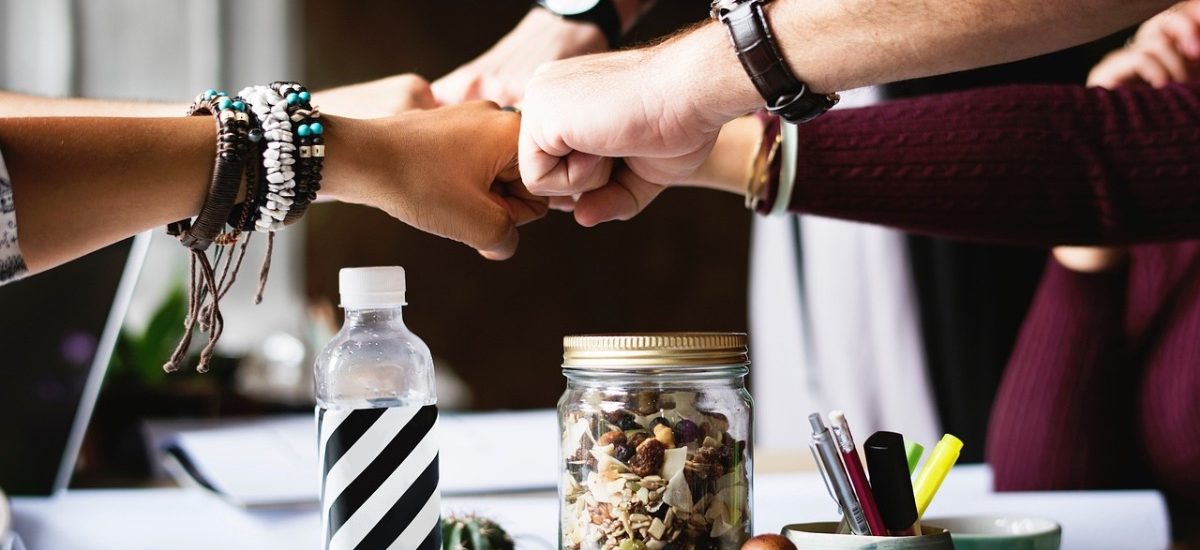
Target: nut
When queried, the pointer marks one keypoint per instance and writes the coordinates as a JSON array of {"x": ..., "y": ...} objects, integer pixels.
[
  {"x": 665, "y": 436},
  {"x": 615, "y": 437}
]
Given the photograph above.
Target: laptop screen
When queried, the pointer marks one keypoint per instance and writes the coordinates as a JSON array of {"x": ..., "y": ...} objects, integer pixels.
[{"x": 52, "y": 337}]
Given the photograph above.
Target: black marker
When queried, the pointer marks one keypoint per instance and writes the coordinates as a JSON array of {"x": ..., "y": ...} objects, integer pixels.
[{"x": 888, "y": 463}]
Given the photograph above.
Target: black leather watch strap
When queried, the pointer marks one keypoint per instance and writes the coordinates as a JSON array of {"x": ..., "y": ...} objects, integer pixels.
[
  {"x": 786, "y": 95},
  {"x": 604, "y": 15}
]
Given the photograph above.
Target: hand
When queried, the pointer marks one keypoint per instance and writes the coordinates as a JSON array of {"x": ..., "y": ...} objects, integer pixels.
[
  {"x": 377, "y": 98},
  {"x": 650, "y": 106},
  {"x": 1165, "y": 49},
  {"x": 501, "y": 72},
  {"x": 449, "y": 171}
]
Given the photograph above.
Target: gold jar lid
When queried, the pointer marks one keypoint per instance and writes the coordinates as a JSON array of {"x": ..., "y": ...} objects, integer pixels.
[{"x": 654, "y": 350}]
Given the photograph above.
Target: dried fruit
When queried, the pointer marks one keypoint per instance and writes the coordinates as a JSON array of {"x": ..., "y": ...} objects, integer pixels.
[
  {"x": 636, "y": 438},
  {"x": 659, "y": 421},
  {"x": 615, "y": 437},
  {"x": 645, "y": 402},
  {"x": 686, "y": 432},
  {"x": 769, "y": 542},
  {"x": 648, "y": 458},
  {"x": 623, "y": 453},
  {"x": 617, "y": 417},
  {"x": 715, "y": 424},
  {"x": 706, "y": 463},
  {"x": 629, "y": 423}
]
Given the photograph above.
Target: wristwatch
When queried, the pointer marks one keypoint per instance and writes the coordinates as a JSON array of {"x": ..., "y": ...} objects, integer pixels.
[
  {"x": 786, "y": 96},
  {"x": 602, "y": 13}
]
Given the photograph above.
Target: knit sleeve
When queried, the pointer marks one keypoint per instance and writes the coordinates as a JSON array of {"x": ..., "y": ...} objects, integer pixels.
[
  {"x": 12, "y": 264},
  {"x": 1032, "y": 165}
]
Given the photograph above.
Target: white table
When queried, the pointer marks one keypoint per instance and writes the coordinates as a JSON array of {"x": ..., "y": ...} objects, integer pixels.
[{"x": 193, "y": 518}]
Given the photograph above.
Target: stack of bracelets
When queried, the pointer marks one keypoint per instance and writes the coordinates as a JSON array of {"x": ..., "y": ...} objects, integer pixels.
[{"x": 272, "y": 137}]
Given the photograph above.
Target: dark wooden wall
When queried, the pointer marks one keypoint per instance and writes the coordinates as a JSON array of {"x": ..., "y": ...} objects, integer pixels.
[{"x": 681, "y": 265}]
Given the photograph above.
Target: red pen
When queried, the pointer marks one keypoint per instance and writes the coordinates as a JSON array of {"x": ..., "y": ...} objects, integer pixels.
[{"x": 854, "y": 469}]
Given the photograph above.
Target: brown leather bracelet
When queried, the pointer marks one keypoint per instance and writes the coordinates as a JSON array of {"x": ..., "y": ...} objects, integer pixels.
[
  {"x": 785, "y": 95},
  {"x": 233, "y": 125}
]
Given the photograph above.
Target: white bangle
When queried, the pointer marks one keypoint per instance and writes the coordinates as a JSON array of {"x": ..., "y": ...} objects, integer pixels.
[{"x": 787, "y": 169}]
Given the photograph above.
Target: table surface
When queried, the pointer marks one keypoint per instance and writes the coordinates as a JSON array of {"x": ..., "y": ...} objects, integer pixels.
[{"x": 186, "y": 518}]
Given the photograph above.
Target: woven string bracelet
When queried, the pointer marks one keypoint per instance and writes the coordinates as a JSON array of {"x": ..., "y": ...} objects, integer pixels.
[{"x": 233, "y": 126}]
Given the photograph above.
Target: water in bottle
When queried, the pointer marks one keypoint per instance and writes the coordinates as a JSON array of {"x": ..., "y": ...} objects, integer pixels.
[{"x": 377, "y": 422}]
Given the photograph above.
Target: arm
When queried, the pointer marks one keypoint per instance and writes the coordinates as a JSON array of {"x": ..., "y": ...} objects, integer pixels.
[
  {"x": 13, "y": 104},
  {"x": 500, "y": 73},
  {"x": 82, "y": 183},
  {"x": 661, "y": 107},
  {"x": 375, "y": 99},
  {"x": 1028, "y": 165}
]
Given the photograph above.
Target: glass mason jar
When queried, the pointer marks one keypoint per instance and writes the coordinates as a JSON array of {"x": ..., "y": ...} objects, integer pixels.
[{"x": 656, "y": 442}]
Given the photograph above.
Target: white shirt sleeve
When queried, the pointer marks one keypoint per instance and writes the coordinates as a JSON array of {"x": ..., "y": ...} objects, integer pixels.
[{"x": 12, "y": 264}]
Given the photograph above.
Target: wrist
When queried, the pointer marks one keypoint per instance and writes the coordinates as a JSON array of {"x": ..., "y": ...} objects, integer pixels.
[
  {"x": 350, "y": 157},
  {"x": 571, "y": 37},
  {"x": 706, "y": 71}
]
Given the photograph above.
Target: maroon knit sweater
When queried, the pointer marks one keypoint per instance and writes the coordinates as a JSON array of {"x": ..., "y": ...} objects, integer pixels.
[
  {"x": 1103, "y": 387},
  {"x": 1035, "y": 165}
]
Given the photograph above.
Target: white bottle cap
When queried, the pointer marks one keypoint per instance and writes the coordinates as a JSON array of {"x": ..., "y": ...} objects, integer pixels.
[{"x": 365, "y": 287}]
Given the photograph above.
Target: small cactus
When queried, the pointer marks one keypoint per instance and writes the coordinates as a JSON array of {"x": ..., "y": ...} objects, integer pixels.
[{"x": 472, "y": 532}]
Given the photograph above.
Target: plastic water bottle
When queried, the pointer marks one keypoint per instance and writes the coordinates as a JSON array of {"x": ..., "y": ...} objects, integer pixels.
[{"x": 377, "y": 422}]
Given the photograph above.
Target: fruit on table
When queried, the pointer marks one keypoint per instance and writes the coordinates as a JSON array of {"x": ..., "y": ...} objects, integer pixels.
[{"x": 769, "y": 542}]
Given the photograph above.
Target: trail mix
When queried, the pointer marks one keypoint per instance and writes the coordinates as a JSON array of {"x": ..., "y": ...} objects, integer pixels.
[{"x": 669, "y": 479}]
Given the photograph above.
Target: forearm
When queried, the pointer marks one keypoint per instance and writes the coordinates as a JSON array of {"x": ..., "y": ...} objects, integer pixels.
[
  {"x": 14, "y": 104},
  {"x": 80, "y": 184},
  {"x": 837, "y": 45},
  {"x": 1030, "y": 165}
]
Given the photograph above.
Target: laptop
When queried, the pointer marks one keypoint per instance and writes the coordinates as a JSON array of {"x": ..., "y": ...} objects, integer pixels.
[{"x": 57, "y": 334}]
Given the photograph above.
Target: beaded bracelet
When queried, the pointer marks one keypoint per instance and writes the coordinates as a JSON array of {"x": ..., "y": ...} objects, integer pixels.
[
  {"x": 233, "y": 138},
  {"x": 277, "y": 159},
  {"x": 310, "y": 145},
  {"x": 233, "y": 125}
]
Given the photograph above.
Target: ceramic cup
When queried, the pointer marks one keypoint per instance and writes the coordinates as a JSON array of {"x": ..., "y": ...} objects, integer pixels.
[
  {"x": 1000, "y": 533},
  {"x": 823, "y": 536}
]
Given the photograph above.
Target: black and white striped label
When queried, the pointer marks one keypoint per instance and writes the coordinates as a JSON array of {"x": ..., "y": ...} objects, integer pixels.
[{"x": 379, "y": 478}]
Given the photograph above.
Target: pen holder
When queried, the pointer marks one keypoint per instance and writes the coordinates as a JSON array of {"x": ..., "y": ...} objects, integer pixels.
[{"x": 824, "y": 536}]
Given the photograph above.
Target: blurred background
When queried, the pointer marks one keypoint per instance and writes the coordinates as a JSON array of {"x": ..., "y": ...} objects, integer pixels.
[{"x": 495, "y": 327}]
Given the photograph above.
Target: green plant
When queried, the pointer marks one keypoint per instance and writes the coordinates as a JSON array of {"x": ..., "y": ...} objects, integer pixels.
[
  {"x": 141, "y": 356},
  {"x": 472, "y": 532}
]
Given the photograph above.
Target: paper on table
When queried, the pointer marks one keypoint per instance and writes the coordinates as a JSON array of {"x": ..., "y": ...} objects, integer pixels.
[{"x": 274, "y": 461}]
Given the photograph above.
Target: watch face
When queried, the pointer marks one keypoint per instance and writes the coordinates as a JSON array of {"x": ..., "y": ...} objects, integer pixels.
[{"x": 569, "y": 7}]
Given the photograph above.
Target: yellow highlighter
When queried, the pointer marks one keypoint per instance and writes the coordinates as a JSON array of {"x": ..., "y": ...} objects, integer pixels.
[{"x": 937, "y": 465}]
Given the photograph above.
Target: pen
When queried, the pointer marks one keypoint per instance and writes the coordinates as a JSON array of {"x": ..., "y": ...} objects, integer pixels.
[
  {"x": 822, "y": 441},
  {"x": 893, "y": 487},
  {"x": 914, "y": 451},
  {"x": 941, "y": 459},
  {"x": 854, "y": 470}
]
